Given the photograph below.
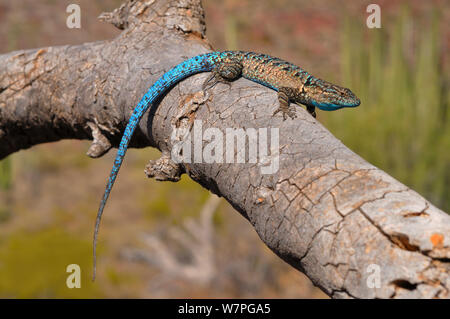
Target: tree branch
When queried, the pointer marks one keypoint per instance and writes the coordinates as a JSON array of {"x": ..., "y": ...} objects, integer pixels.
[{"x": 326, "y": 211}]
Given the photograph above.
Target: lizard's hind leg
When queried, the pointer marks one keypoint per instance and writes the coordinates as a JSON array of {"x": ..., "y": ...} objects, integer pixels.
[
  {"x": 312, "y": 110},
  {"x": 223, "y": 73}
]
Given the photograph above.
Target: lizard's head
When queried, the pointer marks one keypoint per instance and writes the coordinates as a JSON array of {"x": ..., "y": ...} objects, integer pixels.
[{"x": 327, "y": 96}]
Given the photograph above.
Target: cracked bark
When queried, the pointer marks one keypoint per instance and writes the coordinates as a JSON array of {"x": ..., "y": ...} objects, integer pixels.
[{"x": 327, "y": 212}]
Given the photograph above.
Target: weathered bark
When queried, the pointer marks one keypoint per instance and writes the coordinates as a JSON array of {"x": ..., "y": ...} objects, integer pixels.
[{"x": 326, "y": 212}]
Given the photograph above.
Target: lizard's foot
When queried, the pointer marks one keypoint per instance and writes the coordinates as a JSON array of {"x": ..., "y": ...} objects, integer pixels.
[
  {"x": 223, "y": 73},
  {"x": 286, "y": 111},
  {"x": 213, "y": 80}
]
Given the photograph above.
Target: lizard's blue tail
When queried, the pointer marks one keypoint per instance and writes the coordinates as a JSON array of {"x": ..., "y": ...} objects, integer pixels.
[{"x": 201, "y": 63}]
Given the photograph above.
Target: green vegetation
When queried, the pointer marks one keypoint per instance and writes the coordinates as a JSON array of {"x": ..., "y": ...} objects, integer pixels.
[
  {"x": 33, "y": 265},
  {"x": 5, "y": 174},
  {"x": 6, "y": 181},
  {"x": 174, "y": 202},
  {"x": 403, "y": 123}
]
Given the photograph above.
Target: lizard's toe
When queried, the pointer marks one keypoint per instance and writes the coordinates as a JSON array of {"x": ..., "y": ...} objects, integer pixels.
[
  {"x": 291, "y": 112},
  {"x": 278, "y": 110}
]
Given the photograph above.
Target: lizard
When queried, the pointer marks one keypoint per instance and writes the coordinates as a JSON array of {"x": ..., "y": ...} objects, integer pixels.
[{"x": 292, "y": 83}]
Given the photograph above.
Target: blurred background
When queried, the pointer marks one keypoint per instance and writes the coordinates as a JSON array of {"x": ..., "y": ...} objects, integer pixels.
[{"x": 175, "y": 239}]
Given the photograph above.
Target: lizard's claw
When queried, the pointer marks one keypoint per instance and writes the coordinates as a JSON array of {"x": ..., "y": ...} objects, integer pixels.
[
  {"x": 213, "y": 80},
  {"x": 289, "y": 111}
]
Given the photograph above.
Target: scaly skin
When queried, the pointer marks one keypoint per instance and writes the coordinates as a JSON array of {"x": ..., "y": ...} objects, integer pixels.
[{"x": 293, "y": 84}]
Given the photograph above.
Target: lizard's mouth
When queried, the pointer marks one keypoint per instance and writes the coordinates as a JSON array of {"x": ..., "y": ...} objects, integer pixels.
[
  {"x": 354, "y": 102},
  {"x": 335, "y": 105}
]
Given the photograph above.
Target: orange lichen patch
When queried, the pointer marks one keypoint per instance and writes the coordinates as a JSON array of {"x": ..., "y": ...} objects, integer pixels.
[
  {"x": 361, "y": 173},
  {"x": 36, "y": 63},
  {"x": 437, "y": 240},
  {"x": 40, "y": 52},
  {"x": 87, "y": 65},
  {"x": 195, "y": 35},
  {"x": 260, "y": 200}
]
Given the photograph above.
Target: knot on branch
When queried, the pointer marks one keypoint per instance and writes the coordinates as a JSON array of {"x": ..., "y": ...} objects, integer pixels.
[
  {"x": 183, "y": 15},
  {"x": 100, "y": 144},
  {"x": 164, "y": 169},
  {"x": 119, "y": 17}
]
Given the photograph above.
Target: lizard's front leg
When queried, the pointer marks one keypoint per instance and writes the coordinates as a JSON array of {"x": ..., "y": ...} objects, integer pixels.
[
  {"x": 284, "y": 97},
  {"x": 223, "y": 73}
]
